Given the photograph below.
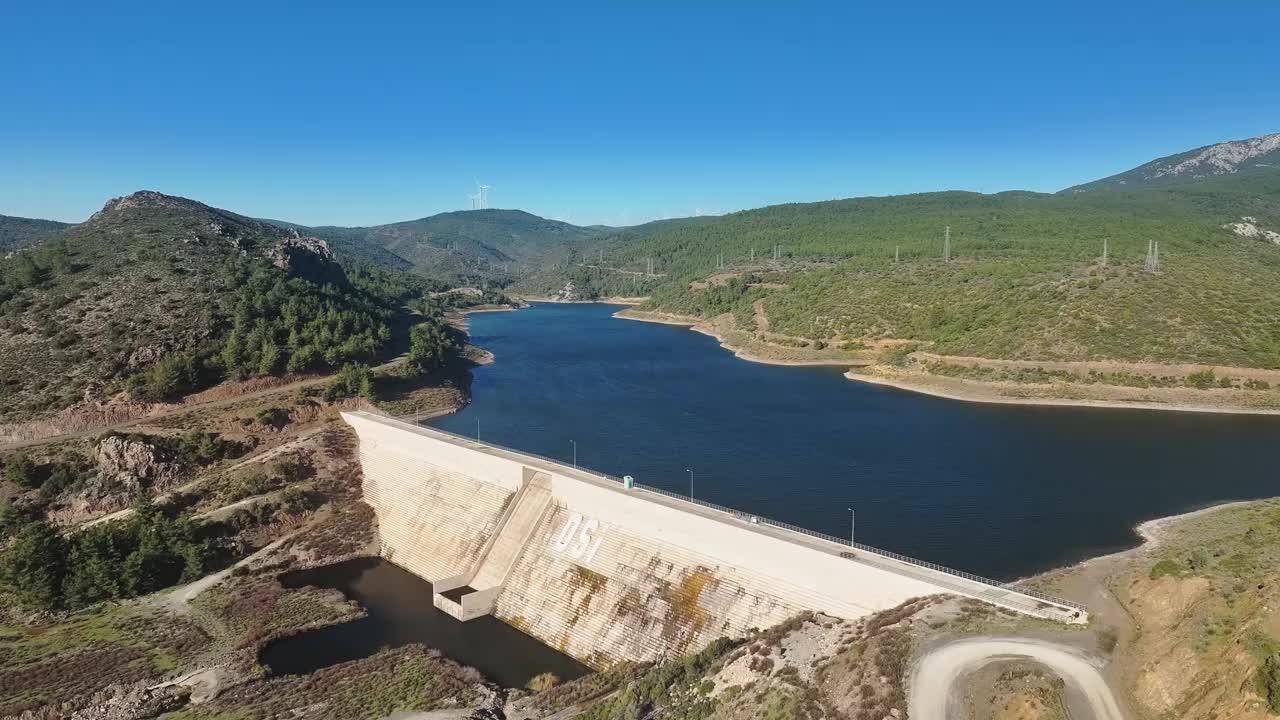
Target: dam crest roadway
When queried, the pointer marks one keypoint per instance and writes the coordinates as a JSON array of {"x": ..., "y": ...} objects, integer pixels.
[{"x": 607, "y": 570}]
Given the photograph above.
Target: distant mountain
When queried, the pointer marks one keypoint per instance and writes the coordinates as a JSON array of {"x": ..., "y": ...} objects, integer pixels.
[
  {"x": 160, "y": 294},
  {"x": 16, "y": 232},
  {"x": 462, "y": 247},
  {"x": 1237, "y": 157}
]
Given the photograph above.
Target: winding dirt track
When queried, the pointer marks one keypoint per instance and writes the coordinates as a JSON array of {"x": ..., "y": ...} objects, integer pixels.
[{"x": 934, "y": 676}]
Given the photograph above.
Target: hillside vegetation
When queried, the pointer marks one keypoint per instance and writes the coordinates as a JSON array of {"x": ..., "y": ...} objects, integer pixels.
[
  {"x": 1026, "y": 278},
  {"x": 161, "y": 295},
  {"x": 478, "y": 247},
  {"x": 16, "y": 232}
]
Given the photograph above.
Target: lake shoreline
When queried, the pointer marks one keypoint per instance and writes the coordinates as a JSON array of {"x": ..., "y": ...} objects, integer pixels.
[
  {"x": 972, "y": 391},
  {"x": 614, "y": 300},
  {"x": 701, "y": 326},
  {"x": 978, "y": 397}
]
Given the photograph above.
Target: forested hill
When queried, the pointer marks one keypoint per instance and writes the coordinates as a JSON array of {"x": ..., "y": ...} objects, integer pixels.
[
  {"x": 16, "y": 232},
  {"x": 158, "y": 295},
  {"x": 1026, "y": 278},
  {"x": 475, "y": 247}
]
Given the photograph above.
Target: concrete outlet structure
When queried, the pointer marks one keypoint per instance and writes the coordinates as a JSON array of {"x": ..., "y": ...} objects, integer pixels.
[{"x": 608, "y": 573}]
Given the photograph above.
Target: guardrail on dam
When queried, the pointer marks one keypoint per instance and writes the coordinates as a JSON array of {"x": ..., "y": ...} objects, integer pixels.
[{"x": 608, "y": 572}]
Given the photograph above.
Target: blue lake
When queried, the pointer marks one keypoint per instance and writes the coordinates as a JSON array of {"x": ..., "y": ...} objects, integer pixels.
[{"x": 1004, "y": 491}]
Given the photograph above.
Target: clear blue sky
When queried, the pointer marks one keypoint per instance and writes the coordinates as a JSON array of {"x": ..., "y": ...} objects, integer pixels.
[{"x": 599, "y": 114}]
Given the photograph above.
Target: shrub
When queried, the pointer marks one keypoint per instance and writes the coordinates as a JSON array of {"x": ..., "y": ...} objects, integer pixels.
[
  {"x": 1271, "y": 682},
  {"x": 1202, "y": 379},
  {"x": 297, "y": 500},
  {"x": 543, "y": 682},
  {"x": 292, "y": 472},
  {"x": 351, "y": 381},
  {"x": 173, "y": 375},
  {"x": 203, "y": 448},
  {"x": 428, "y": 343},
  {"x": 14, "y": 517},
  {"x": 273, "y": 417},
  {"x": 34, "y": 566},
  {"x": 1165, "y": 567},
  {"x": 22, "y": 471},
  {"x": 898, "y": 355},
  {"x": 58, "y": 477},
  {"x": 251, "y": 484}
]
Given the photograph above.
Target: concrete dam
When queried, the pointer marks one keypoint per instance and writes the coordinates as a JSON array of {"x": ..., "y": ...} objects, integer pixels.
[{"x": 608, "y": 570}]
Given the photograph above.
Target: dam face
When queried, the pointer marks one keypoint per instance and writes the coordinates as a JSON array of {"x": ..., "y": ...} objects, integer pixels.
[{"x": 607, "y": 572}]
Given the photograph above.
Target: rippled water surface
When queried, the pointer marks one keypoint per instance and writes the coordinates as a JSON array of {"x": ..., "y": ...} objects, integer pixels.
[{"x": 1000, "y": 490}]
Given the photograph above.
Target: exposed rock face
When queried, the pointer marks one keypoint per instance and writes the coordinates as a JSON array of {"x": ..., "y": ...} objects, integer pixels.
[
  {"x": 146, "y": 199},
  {"x": 306, "y": 257},
  {"x": 130, "y": 702},
  {"x": 1248, "y": 228},
  {"x": 1222, "y": 158},
  {"x": 134, "y": 463},
  {"x": 146, "y": 355},
  {"x": 568, "y": 293},
  {"x": 1254, "y": 155}
]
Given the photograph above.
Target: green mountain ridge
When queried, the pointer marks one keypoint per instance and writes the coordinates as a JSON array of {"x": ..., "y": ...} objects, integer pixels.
[
  {"x": 1026, "y": 278},
  {"x": 466, "y": 247},
  {"x": 16, "y": 232}
]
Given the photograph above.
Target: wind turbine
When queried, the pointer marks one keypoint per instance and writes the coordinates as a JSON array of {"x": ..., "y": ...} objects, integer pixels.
[
  {"x": 474, "y": 199},
  {"x": 482, "y": 192}
]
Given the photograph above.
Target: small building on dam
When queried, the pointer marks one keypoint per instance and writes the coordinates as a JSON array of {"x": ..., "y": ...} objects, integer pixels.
[{"x": 608, "y": 571}]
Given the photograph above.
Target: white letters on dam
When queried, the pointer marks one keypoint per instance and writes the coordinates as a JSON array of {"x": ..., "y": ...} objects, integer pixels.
[{"x": 606, "y": 573}]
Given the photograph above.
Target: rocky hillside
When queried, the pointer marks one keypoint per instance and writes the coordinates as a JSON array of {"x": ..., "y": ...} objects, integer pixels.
[
  {"x": 16, "y": 232},
  {"x": 159, "y": 294},
  {"x": 1255, "y": 155}
]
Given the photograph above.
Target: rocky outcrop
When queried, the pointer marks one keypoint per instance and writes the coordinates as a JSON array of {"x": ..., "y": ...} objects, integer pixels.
[
  {"x": 1222, "y": 158},
  {"x": 306, "y": 257},
  {"x": 148, "y": 199},
  {"x": 146, "y": 356},
  {"x": 135, "y": 464},
  {"x": 568, "y": 293},
  {"x": 1248, "y": 228},
  {"x": 129, "y": 702}
]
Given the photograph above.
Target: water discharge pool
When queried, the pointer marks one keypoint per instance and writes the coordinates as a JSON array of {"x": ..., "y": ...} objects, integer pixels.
[
  {"x": 999, "y": 490},
  {"x": 400, "y": 613}
]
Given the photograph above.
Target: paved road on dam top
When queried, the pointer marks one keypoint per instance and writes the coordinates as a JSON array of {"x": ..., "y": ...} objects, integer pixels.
[
  {"x": 1002, "y": 491},
  {"x": 940, "y": 578},
  {"x": 934, "y": 677}
]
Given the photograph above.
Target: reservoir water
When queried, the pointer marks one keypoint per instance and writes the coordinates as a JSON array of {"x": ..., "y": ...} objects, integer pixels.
[
  {"x": 400, "y": 612},
  {"x": 1000, "y": 490}
]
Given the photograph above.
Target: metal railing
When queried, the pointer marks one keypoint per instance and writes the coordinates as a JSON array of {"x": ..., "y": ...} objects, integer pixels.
[{"x": 752, "y": 518}]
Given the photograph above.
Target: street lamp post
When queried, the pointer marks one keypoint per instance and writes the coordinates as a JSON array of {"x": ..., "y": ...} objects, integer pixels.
[
  {"x": 690, "y": 471},
  {"x": 853, "y": 519},
  {"x": 574, "y": 443}
]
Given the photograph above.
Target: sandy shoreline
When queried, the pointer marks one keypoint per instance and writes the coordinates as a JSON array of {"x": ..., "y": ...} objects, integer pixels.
[
  {"x": 698, "y": 326},
  {"x": 598, "y": 301},
  {"x": 1058, "y": 402}
]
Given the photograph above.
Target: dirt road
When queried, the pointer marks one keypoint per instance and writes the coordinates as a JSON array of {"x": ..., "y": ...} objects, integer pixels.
[{"x": 933, "y": 678}]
